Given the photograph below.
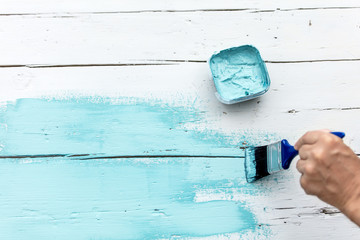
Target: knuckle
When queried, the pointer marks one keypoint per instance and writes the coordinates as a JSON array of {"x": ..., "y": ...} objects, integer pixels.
[
  {"x": 318, "y": 154},
  {"x": 327, "y": 139},
  {"x": 330, "y": 140},
  {"x": 337, "y": 152},
  {"x": 307, "y": 134},
  {"x": 310, "y": 170},
  {"x": 304, "y": 183}
]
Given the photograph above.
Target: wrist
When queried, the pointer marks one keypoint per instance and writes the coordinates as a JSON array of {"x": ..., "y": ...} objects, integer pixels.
[
  {"x": 352, "y": 211},
  {"x": 352, "y": 207}
]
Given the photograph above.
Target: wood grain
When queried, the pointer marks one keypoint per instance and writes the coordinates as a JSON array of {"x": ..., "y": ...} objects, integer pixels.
[
  {"x": 313, "y": 99},
  {"x": 109, "y": 6},
  {"x": 157, "y": 51},
  {"x": 186, "y": 36}
]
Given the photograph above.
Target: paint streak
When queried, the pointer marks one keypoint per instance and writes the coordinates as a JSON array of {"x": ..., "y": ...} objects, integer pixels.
[
  {"x": 80, "y": 126},
  {"x": 119, "y": 199},
  {"x": 67, "y": 197}
]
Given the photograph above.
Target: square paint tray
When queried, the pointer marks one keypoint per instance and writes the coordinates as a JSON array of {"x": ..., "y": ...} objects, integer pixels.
[{"x": 239, "y": 74}]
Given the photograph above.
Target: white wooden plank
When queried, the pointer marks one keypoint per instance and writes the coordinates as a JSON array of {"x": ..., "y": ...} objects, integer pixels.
[
  {"x": 283, "y": 205},
  {"x": 295, "y": 102},
  {"x": 140, "y": 37},
  {"x": 42, "y": 6},
  {"x": 320, "y": 85}
]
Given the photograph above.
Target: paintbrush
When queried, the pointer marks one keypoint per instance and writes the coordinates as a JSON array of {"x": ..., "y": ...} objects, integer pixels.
[{"x": 262, "y": 161}]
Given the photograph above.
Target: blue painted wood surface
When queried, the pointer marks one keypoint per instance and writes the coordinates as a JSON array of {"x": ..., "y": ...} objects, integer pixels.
[
  {"x": 100, "y": 127},
  {"x": 81, "y": 190},
  {"x": 120, "y": 198}
]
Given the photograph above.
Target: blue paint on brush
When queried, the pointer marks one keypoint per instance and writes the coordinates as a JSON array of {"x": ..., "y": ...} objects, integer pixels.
[
  {"x": 239, "y": 74},
  {"x": 128, "y": 198}
]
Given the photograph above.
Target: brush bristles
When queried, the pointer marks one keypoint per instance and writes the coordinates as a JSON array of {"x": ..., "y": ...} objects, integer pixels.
[{"x": 256, "y": 163}]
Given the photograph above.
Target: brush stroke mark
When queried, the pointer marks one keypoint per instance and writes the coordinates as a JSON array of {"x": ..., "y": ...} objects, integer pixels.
[
  {"x": 119, "y": 198},
  {"x": 79, "y": 126},
  {"x": 137, "y": 198},
  {"x": 91, "y": 168}
]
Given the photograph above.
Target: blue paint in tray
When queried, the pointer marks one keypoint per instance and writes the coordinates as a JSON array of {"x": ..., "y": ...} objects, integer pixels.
[{"x": 239, "y": 74}]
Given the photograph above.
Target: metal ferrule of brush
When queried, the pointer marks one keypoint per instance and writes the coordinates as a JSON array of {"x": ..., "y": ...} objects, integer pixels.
[{"x": 274, "y": 162}]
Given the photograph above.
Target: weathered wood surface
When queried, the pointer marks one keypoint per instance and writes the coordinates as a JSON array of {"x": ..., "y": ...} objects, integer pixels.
[
  {"x": 71, "y": 38},
  {"x": 157, "y": 51}
]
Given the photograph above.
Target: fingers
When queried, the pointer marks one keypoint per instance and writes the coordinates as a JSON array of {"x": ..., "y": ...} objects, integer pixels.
[
  {"x": 300, "y": 166},
  {"x": 310, "y": 180},
  {"x": 311, "y": 186},
  {"x": 309, "y": 138},
  {"x": 305, "y": 151}
]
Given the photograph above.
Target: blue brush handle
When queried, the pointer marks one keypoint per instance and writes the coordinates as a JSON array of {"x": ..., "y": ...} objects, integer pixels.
[{"x": 288, "y": 152}]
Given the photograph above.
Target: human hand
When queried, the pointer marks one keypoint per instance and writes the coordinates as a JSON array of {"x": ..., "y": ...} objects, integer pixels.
[{"x": 331, "y": 171}]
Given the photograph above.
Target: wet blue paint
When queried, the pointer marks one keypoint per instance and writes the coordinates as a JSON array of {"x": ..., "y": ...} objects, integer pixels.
[
  {"x": 119, "y": 199},
  {"x": 135, "y": 198},
  {"x": 38, "y": 126},
  {"x": 239, "y": 74}
]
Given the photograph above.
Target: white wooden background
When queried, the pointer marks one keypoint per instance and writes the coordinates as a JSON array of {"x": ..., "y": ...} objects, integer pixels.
[{"x": 158, "y": 49}]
